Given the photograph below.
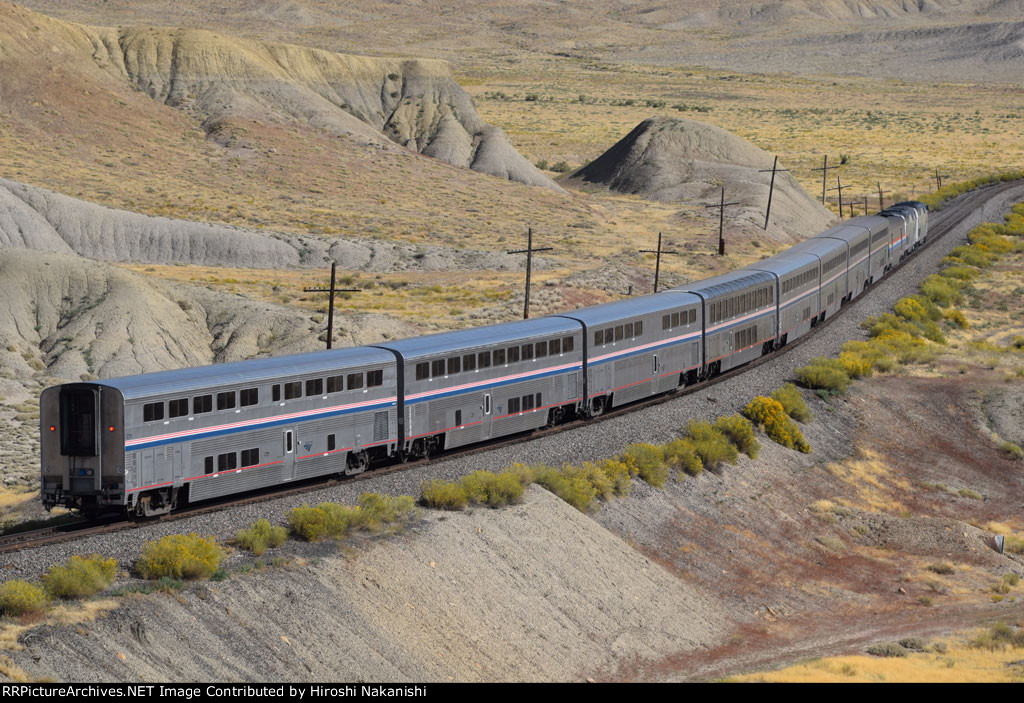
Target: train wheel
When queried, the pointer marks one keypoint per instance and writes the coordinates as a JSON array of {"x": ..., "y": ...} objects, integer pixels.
[
  {"x": 556, "y": 416},
  {"x": 356, "y": 463},
  {"x": 597, "y": 406}
]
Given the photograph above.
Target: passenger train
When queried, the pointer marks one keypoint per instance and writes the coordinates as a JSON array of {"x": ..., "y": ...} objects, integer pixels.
[{"x": 148, "y": 443}]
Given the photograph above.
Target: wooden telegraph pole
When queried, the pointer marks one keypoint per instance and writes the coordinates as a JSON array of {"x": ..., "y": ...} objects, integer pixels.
[
  {"x": 881, "y": 204},
  {"x": 529, "y": 267},
  {"x": 825, "y": 168},
  {"x": 721, "y": 222},
  {"x": 330, "y": 306},
  {"x": 657, "y": 262},
  {"x": 771, "y": 187},
  {"x": 938, "y": 179},
  {"x": 839, "y": 187}
]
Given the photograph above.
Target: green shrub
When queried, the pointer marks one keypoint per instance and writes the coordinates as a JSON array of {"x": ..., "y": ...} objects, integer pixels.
[
  {"x": 260, "y": 535},
  {"x": 649, "y": 461},
  {"x": 768, "y": 414},
  {"x": 21, "y": 598},
  {"x": 892, "y": 649},
  {"x": 960, "y": 273},
  {"x": 826, "y": 374},
  {"x": 180, "y": 557},
  {"x": 941, "y": 290},
  {"x": 682, "y": 455},
  {"x": 740, "y": 432},
  {"x": 1012, "y": 450},
  {"x": 956, "y": 318},
  {"x": 494, "y": 490},
  {"x": 80, "y": 577},
  {"x": 323, "y": 521},
  {"x": 910, "y": 309},
  {"x": 999, "y": 636},
  {"x": 571, "y": 485},
  {"x": 376, "y": 511},
  {"x": 443, "y": 495},
  {"x": 792, "y": 401},
  {"x": 710, "y": 444}
]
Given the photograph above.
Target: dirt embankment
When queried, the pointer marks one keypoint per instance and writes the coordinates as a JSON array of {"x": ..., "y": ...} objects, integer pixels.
[{"x": 534, "y": 592}]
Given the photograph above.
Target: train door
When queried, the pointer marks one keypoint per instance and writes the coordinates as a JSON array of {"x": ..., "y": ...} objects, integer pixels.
[
  {"x": 485, "y": 409},
  {"x": 288, "y": 470}
]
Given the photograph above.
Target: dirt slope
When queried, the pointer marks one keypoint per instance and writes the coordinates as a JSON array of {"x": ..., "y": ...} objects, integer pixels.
[
  {"x": 684, "y": 161},
  {"x": 535, "y": 592}
]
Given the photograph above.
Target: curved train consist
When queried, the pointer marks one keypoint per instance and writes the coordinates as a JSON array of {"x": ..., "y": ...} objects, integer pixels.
[{"x": 145, "y": 444}]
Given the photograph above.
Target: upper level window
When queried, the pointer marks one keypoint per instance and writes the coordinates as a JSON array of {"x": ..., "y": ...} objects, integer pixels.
[
  {"x": 226, "y": 400},
  {"x": 202, "y": 404},
  {"x": 483, "y": 359},
  {"x": 499, "y": 357},
  {"x": 437, "y": 368},
  {"x": 292, "y": 390},
  {"x": 336, "y": 384},
  {"x": 555, "y": 346},
  {"x": 541, "y": 349},
  {"x": 567, "y": 343},
  {"x": 454, "y": 364},
  {"x": 249, "y": 396},
  {"x": 375, "y": 378},
  {"x": 177, "y": 407},
  {"x": 315, "y": 386},
  {"x": 355, "y": 381},
  {"x": 512, "y": 355},
  {"x": 469, "y": 362},
  {"x": 422, "y": 370},
  {"x": 151, "y": 412}
]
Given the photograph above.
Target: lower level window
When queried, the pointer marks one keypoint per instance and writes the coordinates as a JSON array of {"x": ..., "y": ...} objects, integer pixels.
[
  {"x": 331, "y": 443},
  {"x": 226, "y": 462},
  {"x": 250, "y": 457}
]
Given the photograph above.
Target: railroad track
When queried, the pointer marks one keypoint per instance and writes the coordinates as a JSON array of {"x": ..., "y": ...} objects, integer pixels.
[{"x": 940, "y": 224}]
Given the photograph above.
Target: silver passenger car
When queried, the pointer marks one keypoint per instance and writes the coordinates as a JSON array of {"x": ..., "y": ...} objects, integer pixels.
[
  {"x": 471, "y": 385},
  {"x": 832, "y": 255},
  {"x": 144, "y": 442},
  {"x": 740, "y": 321},
  {"x": 797, "y": 278},
  {"x": 857, "y": 240},
  {"x": 638, "y": 347}
]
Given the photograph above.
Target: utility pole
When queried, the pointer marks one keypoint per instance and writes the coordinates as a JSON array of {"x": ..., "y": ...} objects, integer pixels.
[
  {"x": 839, "y": 187},
  {"x": 330, "y": 306},
  {"x": 938, "y": 179},
  {"x": 771, "y": 187},
  {"x": 529, "y": 266},
  {"x": 825, "y": 168},
  {"x": 721, "y": 222},
  {"x": 881, "y": 204},
  {"x": 657, "y": 262},
  {"x": 865, "y": 205}
]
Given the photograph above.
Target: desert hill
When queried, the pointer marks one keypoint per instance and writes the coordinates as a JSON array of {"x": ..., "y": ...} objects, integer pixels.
[{"x": 685, "y": 161}]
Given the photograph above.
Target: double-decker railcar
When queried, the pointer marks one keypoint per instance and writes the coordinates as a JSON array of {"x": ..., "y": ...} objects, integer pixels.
[
  {"x": 833, "y": 259},
  {"x": 797, "y": 279},
  {"x": 740, "y": 317},
  {"x": 143, "y": 443},
  {"x": 639, "y": 347},
  {"x": 475, "y": 384},
  {"x": 857, "y": 240}
]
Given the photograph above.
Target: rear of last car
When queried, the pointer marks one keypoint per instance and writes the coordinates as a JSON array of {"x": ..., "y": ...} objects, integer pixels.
[{"x": 82, "y": 447}]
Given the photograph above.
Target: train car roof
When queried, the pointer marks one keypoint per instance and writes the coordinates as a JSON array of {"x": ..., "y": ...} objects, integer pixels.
[
  {"x": 875, "y": 223},
  {"x": 821, "y": 247},
  {"x": 726, "y": 283},
  {"x": 250, "y": 371},
  {"x": 842, "y": 231},
  {"x": 447, "y": 342},
  {"x": 783, "y": 263},
  {"x": 632, "y": 307}
]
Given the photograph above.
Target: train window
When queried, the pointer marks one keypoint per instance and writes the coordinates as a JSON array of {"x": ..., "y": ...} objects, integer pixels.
[
  {"x": 315, "y": 386},
  {"x": 202, "y": 404},
  {"x": 226, "y": 400},
  {"x": 249, "y": 396},
  {"x": 469, "y": 362},
  {"x": 151, "y": 412},
  {"x": 422, "y": 370},
  {"x": 527, "y": 351},
  {"x": 628, "y": 332},
  {"x": 514, "y": 405},
  {"x": 638, "y": 328},
  {"x": 609, "y": 336},
  {"x": 499, "y": 357},
  {"x": 437, "y": 368},
  {"x": 555, "y": 346},
  {"x": 542, "y": 349},
  {"x": 458, "y": 418},
  {"x": 375, "y": 378},
  {"x": 771, "y": 295},
  {"x": 275, "y": 392},
  {"x": 250, "y": 457},
  {"x": 483, "y": 359},
  {"x": 598, "y": 338},
  {"x": 618, "y": 333},
  {"x": 666, "y": 322},
  {"x": 354, "y": 381},
  {"x": 537, "y": 400},
  {"x": 226, "y": 462},
  {"x": 177, "y": 407},
  {"x": 567, "y": 344},
  {"x": 336, "y": 384},
  {"x": 693, "y": 316},
  {"x": 331, "y": 443},
  {"x": 293, "y": 390},
  {"x": 208, "y": 465},
  {"x": 527, "y": 402},
  {"x": 454, "y": 364},
  {"x": 512, "y": 355}
]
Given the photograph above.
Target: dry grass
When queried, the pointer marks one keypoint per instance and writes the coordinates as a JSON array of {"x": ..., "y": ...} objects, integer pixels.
[
  {"x": 959, "y": 663},
  {"x": 873, "y": 480}
]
